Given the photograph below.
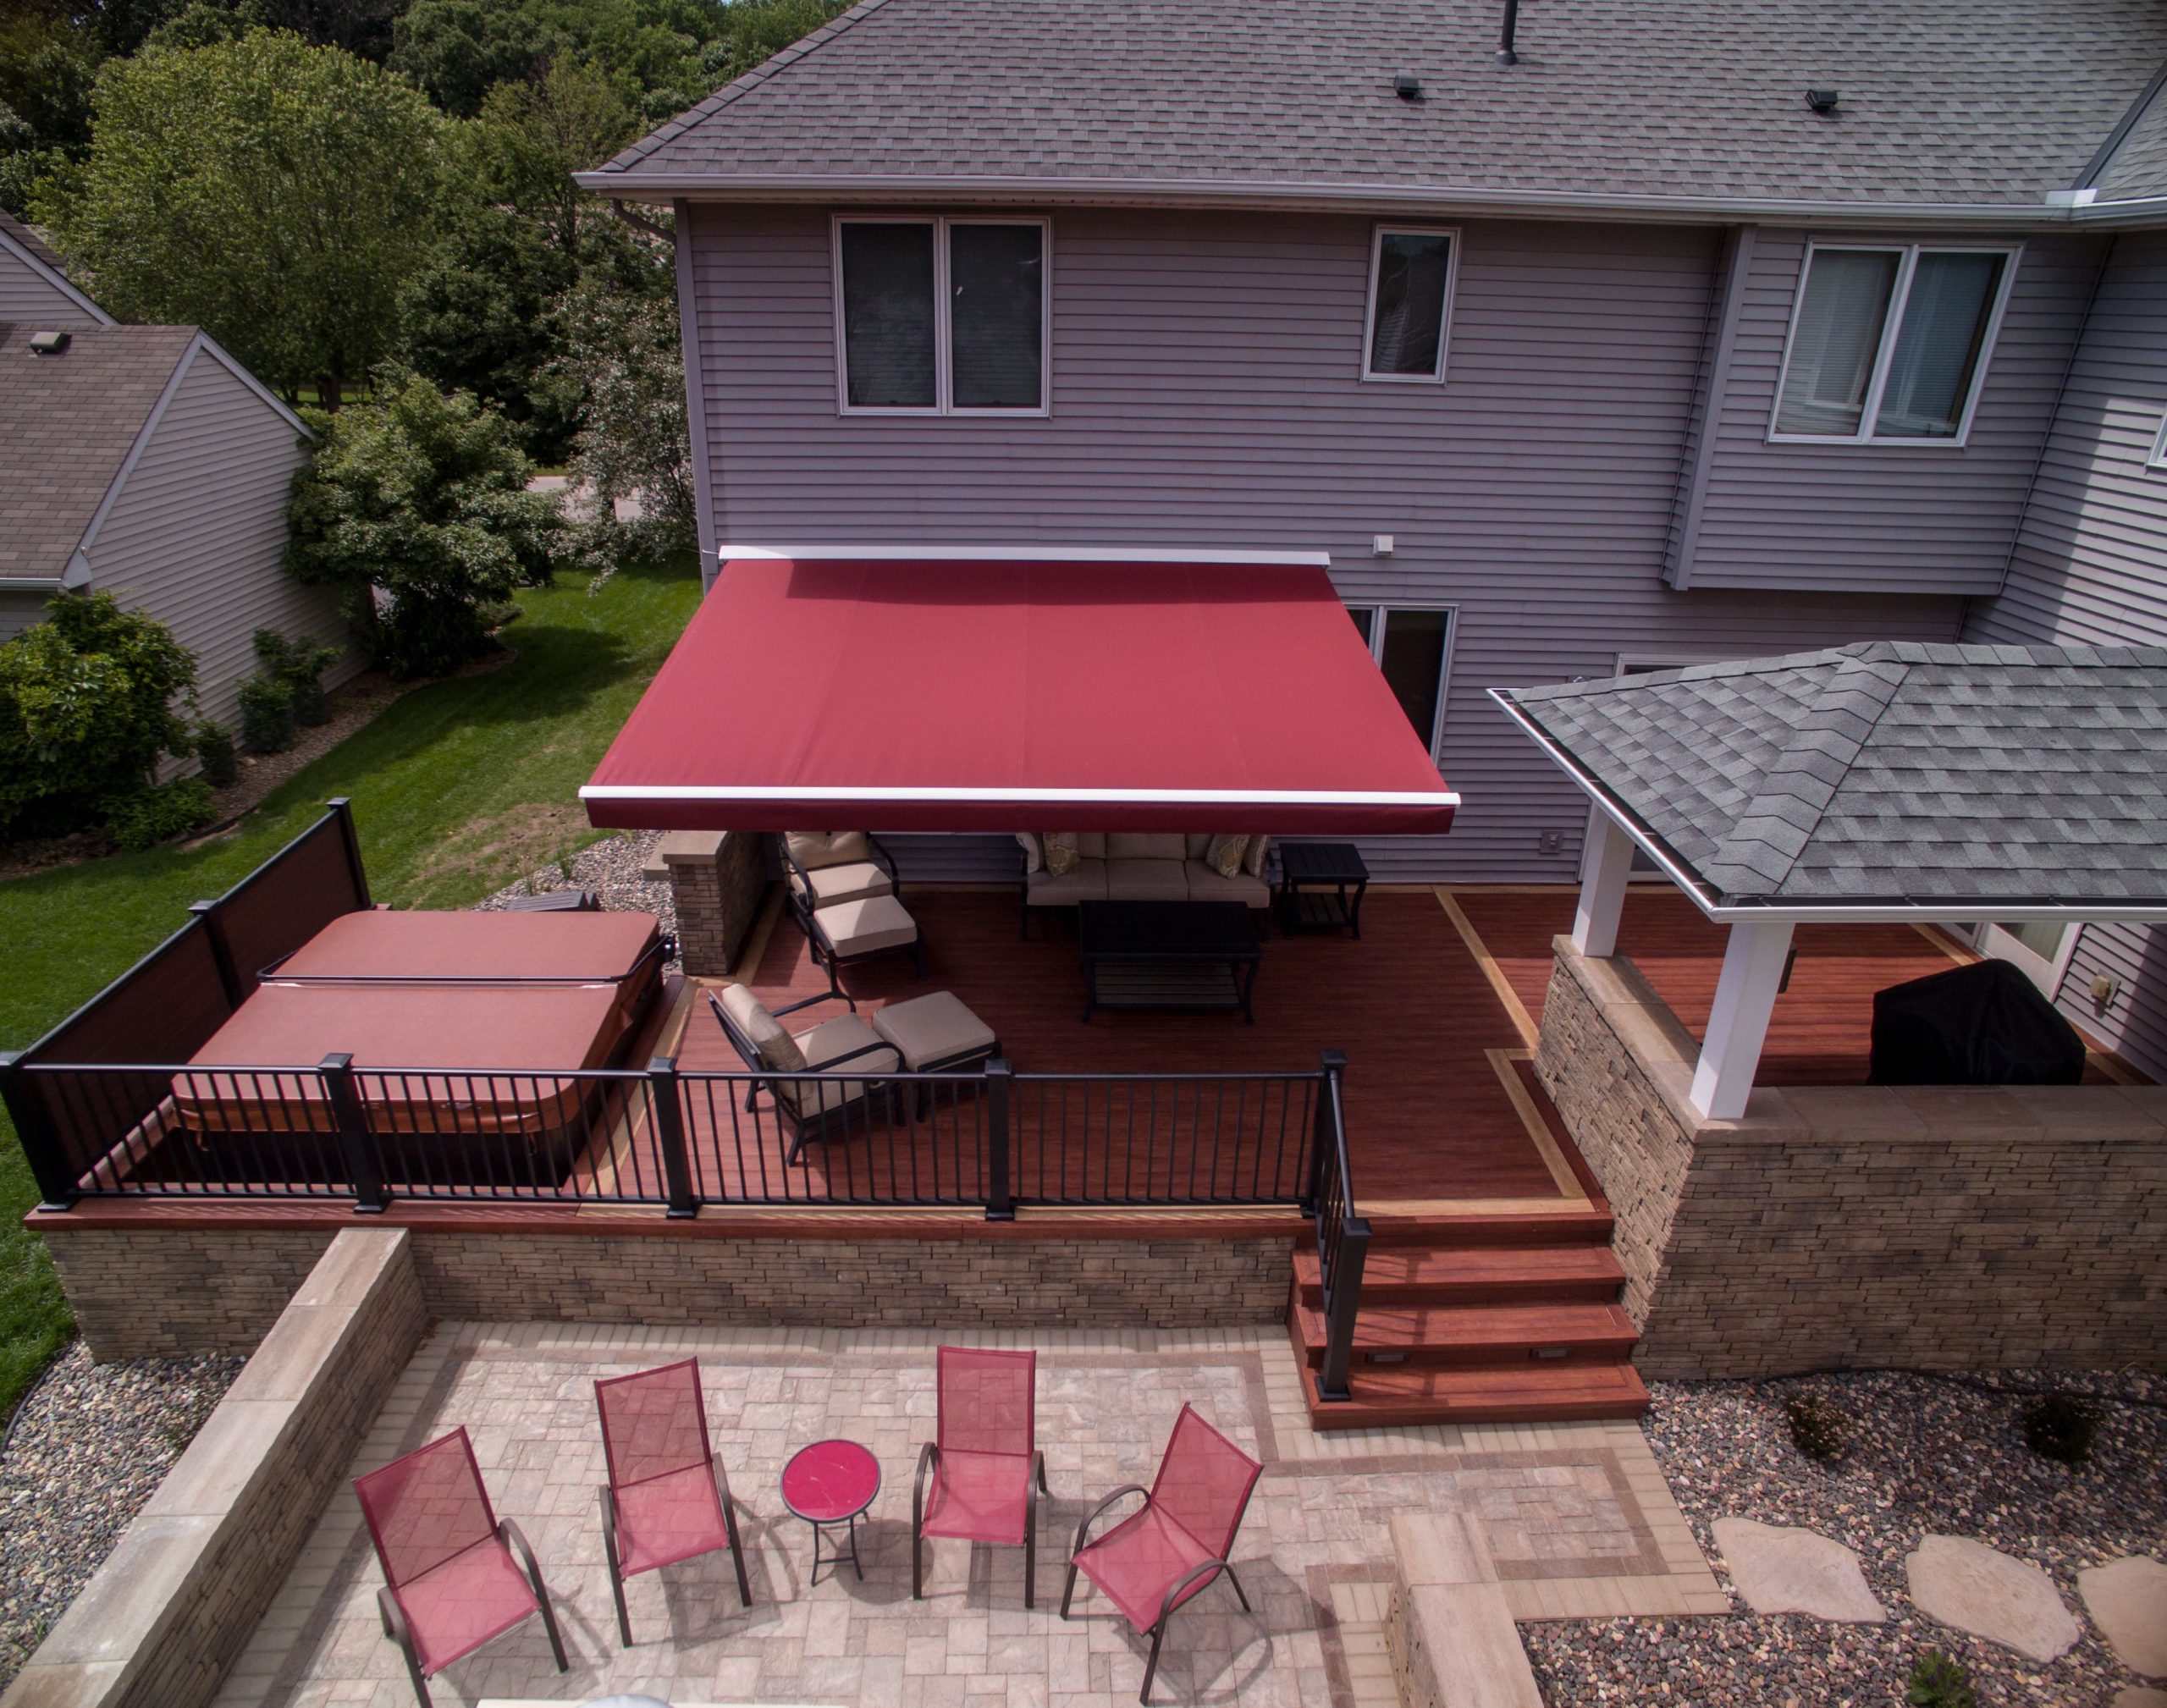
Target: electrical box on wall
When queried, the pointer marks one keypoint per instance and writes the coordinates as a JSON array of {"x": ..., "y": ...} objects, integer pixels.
[{"x": 1550, "y": 842}]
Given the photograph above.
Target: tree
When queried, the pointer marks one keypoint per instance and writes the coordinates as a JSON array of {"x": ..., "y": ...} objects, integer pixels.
[
  {"x": 416, "y": 506},
  {"x": 459, "y": 50},
  {"x": 86, "y": 712},
  {"x": 277, "y": 194},
  {"x": 533, "y": 136}
]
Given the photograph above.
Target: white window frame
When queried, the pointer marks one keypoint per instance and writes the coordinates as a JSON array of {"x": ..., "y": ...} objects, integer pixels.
[
  {"x": 2046, "y": 971},
  {"x": 2158, "y": 460},
  {"x": 943, "y": 305},
  {"x": 1377, "y": 236},
  {"x": 1384, "y": 608},
  {"x": 1899, "y": 294}
]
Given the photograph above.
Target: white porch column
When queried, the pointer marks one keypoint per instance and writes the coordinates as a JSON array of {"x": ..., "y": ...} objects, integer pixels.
[
  {"x": 1606, "y": 864},
  {"x": 1745, "y": 996}
]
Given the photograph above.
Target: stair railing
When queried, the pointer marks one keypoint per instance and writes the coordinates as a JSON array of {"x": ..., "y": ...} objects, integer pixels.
[{"x": 1342, "y": 1233}]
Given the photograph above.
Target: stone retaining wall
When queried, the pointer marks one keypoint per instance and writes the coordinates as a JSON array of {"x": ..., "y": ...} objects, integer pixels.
[
  {"x": 212, "y": 1286},
  {"x": 1857, "y": 1227},
  {"x": 164, "y": 1618}
]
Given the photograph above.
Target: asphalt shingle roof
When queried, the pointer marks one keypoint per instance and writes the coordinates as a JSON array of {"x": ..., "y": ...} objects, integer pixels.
[
  {"x": 31, "y": 240},
  {"x": 1889, "y": 772},
  {"x": 1942, "y": 101},
  {"x": 66, "y": 424}
]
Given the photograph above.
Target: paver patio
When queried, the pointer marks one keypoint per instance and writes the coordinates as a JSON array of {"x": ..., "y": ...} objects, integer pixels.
[{"x": 1577, "y": 1516}]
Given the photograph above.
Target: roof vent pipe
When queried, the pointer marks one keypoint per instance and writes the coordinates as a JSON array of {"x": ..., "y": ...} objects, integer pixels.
[{"x": 1505, "y": 55}]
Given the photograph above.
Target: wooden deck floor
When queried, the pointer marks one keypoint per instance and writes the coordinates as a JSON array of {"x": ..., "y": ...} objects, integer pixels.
[
  {"x": 1441, "y": 1112},
  {"x": 1821, "y": 1033}
]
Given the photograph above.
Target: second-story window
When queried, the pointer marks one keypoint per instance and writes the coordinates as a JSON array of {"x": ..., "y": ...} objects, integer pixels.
[
  {"x": 939, "y": 316},
  {"x": 1890, "y": 343},
  {"x": 1411, "y": 303}
]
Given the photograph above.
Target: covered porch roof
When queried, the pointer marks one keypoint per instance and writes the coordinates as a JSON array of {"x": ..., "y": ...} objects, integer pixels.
[
  {"x": 1886, "y": 780},
  {"x": 856, "y": 687}
]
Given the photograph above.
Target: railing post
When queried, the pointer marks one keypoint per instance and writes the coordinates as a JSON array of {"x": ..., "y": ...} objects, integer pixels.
[
  {"x": 212, "y": 914},
  {"x": 350, "y": 839},
  {"x": 369, "y": 1194},
  {"x": 1331, "y": 1064},
  {"x": 41, "y": 1140},
  {"x": 1345, "y": 1304},
  {"x": 670, "y": 1134},
  {"x": 999, "y": 1199}
]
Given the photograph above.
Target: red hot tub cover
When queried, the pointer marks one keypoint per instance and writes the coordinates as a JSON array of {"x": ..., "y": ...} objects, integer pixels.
[{"x": 915, "y": 695}]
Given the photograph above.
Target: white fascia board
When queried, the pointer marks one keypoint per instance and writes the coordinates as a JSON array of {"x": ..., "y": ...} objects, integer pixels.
[
  {"x": 1953, "y": 912},
  {"x": 876, "y": 796},
  {"x": 56, "y": 279},
  {"x": 1023, "y": 554},
  {"x": 1437, "y": 199}
]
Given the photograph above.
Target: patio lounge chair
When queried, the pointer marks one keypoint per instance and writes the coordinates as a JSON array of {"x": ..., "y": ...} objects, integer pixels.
[
  {"x": 987, "y": 1471},
  {"x": 667, "y": 1498},
  {"x": 797, "y": 1066},
  {"x": 1167, "y": 1551},
  {"x": 451, "y": 1580},
  {"x": 842, "y": 933},
  {"x": 832, "y": 866}
]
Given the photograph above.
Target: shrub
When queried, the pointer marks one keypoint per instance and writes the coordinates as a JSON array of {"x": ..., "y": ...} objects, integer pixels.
[
  {"x": 86, "y": 712},
  {"x": 146, "y": 817},
  {"x": 215, "y": 754},
  {"x": 1818, "y": 1429},
  {"x": 299, "y": 665},
  {"x": 2062, "y": 1427},
  {"x": 266, "y": 715},
  {"x": 1939, "y": 1681}
]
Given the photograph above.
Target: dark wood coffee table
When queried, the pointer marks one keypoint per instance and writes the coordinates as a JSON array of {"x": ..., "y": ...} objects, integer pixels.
[{"x": 1186, "y": 956}]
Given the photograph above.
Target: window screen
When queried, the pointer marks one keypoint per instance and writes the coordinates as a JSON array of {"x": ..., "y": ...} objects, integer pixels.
[
  {"x": 888, "y": 315},
  {"x": 1939, "y": 345},
  {"x": 1840, "y": 315},
  {"x": 997, "y": 276},
  {"x": 1407, "y": 320}
]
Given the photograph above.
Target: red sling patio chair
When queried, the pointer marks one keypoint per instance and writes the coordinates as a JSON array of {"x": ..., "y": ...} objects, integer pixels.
[
  {"x": 451, "y": 1581},
  {"x": 667, "y": 1498},
  {"x": 1159, "y": 1556},
  {"x": 987, "y": 1472}
]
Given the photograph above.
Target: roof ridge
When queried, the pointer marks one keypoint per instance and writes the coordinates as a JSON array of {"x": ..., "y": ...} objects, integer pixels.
[
  {"x": 741, "y": 85},
  {"x": 1764, "y": 842}
]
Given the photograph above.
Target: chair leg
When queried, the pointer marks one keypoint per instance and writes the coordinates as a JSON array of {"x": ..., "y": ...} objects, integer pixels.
[
  {"x": 616, "y": 1572},
  {"x": 1151, "y": 1665},
  {"x": 1068, "y": 1588},
  {"x": 736, "y": 1552},
  {"x": 917, "y": 958},
  {"x": 1237, "y": 1583},
  {"x": 395, "y": 1628},
  {"x": 549, "y": 1624}
]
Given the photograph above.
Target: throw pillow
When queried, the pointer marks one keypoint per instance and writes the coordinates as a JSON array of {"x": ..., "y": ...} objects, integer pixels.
[
  {"x": 1253, "y": 860},
  {"x": 814, "y": 849},
  {"x": 1034, "y": 856},
  {"x": 1223, "y": 854},
  {"x": 775, "y": 1047},
  {"x": 1061, "y": 853}
]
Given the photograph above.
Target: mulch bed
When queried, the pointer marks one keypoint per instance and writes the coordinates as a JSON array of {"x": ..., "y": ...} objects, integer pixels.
[{"x": 1922, "y": 1455}]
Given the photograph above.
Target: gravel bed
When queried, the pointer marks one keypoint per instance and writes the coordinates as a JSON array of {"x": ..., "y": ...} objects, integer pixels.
[
  {"x": 90, "y": 1445},
  {"x": 610, "y": 869},
  {"x": 1922, "y": 1456}
]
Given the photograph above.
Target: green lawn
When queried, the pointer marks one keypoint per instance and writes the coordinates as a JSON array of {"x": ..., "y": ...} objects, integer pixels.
[{"x": 459, "y": 788}]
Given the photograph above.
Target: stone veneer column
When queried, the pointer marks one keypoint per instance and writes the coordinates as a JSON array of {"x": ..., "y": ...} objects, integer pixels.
[{"x": 717, "y": 884}]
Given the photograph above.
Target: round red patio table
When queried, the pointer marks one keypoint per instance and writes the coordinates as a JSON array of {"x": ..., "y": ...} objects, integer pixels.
[{"x": 827, "y": 1483}]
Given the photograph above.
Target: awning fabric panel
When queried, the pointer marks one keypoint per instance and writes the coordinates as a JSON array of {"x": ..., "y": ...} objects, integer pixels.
[{"x": 980, "y": 696}]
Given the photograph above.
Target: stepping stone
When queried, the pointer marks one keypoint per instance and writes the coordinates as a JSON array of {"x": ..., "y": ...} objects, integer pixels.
[
  {"x": 1780, "y": 1569},
  {"x": 1958, "y": 1582},
  {"x": 2127, "y": 1601}
]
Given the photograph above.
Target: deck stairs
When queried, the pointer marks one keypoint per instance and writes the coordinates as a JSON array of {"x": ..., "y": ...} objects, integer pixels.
[{"x": 1478, "y": 1318}]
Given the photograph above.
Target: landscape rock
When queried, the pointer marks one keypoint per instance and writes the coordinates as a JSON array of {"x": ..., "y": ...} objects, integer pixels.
[
  {"x": 1781, "y": 1569},
  {"x": 2127, "y": 1601},
  {"x": 1959, "y": 1582}
]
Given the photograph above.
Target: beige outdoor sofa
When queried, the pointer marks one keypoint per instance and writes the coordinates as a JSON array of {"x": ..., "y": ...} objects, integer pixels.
[{"x": 1137, "y": 866}]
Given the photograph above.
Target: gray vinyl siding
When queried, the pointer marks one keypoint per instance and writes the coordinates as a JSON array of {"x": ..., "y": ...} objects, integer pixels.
[
  {"x": 28, "y": 296},
  {"x": 1912, "y": 518},
  {"x": 1205, "y": 392},
  {"x": 2090, "y": 568},
  {"x": 197, "y": 535},
  {"x": 18, "y": 611}
]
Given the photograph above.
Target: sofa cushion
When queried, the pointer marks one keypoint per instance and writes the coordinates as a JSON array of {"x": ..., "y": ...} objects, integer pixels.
[
  {"x": 1223, "y": 854},
  {"x": 1147, "y": 880},
  {"x": 831, "y": 884},
  {"x": 1086, "y": 883},
  {"x": 776, "y": 1047},
  {"x": 1062, "y": 853},
  {"x": 860, "y": 927},
  {"x": 1133, "y": 844},
  {"x": 813, "y": 849},
  {"x": 1091, "y": 844},
  {"x": 1206, "y": 886},
  {"x": 1197, "y": 841},
  {"x": 1034, "y": 851},
  {"x": 1252, "y": 859}
]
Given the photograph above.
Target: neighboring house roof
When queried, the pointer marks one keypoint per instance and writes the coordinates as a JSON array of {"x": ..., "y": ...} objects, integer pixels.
[
  {"x": 70, "y": 425},
  {"x": 34, "y": 252},
  {"x": 1944, "y": 104},
  {"x": 1885, "y": 773}
]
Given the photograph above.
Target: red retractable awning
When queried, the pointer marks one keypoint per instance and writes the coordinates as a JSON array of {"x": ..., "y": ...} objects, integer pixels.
[{"x": 826, "y": 694}]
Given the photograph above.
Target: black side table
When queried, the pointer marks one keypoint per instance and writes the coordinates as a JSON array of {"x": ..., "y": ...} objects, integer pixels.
[{"x": 1321, "y": 886}]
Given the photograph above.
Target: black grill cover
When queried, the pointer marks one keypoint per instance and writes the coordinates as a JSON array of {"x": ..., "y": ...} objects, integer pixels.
[{"x": 1984, "y": 1024}]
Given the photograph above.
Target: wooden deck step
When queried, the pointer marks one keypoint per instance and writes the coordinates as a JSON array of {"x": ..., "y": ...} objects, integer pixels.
[
  {"x": 1591, "y": 1227},
  {"x": 1406, "y": 1275},
  {"x": 1491, "y": 1335},
  {"x": 1401, "y": 1396}
]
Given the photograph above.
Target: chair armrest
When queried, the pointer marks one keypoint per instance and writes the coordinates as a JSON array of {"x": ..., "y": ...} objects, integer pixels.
[
  {"x": 792, "y": 1007},
  {"x": 883, "y": 858},
  {"x": 929, "y": 1456},
  {"x": 851, "y": 1055},
  {"x": 515, "y": 1539},
  {"x": 1092, "y": 1517},
  {"x": 1204, "y": 1570}
]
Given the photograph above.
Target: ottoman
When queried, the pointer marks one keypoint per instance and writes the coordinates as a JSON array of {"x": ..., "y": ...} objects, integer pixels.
[{"x": 936, "y": 1033}]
